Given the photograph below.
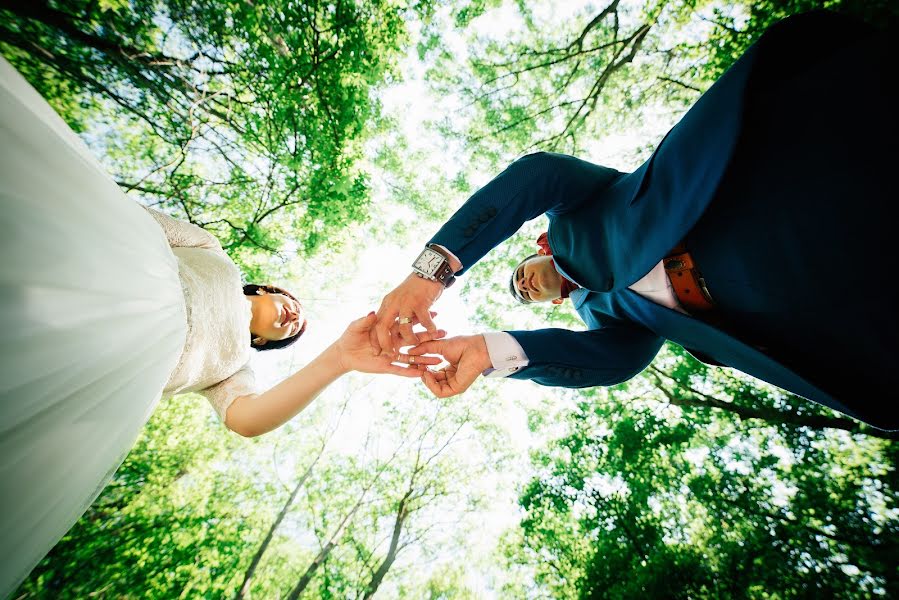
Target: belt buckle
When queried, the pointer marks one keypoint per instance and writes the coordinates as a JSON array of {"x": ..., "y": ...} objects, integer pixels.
[{"x": 678, "y": 262}]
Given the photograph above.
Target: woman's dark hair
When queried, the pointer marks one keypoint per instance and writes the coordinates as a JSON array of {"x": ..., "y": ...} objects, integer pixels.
[{"x": 252, "y": 289}]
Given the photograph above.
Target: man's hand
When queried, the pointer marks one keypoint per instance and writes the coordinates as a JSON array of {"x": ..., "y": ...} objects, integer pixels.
[
  {"x": 467, "y": 356},
  {"x": 353, "y": 353},
  {"x": 411, "y": 300}
]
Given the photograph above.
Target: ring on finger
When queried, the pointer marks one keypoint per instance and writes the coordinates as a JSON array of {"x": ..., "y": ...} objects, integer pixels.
[
  {"x": 411, "y": 360},
  {"x": 405, "y": 320}
]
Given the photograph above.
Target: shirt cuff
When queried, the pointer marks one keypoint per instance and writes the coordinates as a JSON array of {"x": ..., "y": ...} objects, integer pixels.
[{"x": 506, "y": 354}]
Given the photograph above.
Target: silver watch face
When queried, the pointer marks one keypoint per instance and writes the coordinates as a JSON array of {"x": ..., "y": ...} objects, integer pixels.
[{"x": 428, "y": 262}]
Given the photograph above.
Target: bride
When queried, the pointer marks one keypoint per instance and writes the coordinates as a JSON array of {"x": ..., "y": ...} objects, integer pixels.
[{"x": 106, "y": 307}]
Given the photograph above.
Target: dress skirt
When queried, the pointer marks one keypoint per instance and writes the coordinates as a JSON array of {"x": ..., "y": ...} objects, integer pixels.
[
  {"x": 799, "y": 246},
  {"x": 92, "y": 323}
]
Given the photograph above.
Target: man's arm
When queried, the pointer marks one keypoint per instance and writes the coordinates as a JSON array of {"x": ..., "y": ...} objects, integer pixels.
[
  {"x": 576, "y": 359},
  {"x": 533, "y": 185},
  {"x": 556, "y": 357}
]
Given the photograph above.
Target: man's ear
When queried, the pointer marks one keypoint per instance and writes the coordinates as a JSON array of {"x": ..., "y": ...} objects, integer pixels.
[
  {"x": 259, "y": 341},
  {"x": 541, "y": 252},
  {"x": 558, "y": 301}
]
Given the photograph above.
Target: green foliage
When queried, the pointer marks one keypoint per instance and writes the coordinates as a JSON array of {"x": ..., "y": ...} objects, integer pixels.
[
  {"x": 245, "y": 118},
  {"x": 633, "y": 501},
  {"x": 251, "y": 119},
  {"x": 169, "y": 521},
  {"x": 560, "y": 83},
  {"x": 566, "y": 79},
  {"x": 729, "y": 38}
]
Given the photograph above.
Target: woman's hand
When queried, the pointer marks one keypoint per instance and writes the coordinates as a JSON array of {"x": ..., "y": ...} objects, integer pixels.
[{"x": 353, "y": 350}]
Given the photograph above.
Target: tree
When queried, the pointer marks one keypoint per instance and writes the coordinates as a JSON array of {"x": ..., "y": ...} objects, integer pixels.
[
  {"x": 245, "y": 118},
  {"x": 559, "y": 83},
  {"x": 632, "y": 501},
  {"x": 427, "y": 483},
  {"x": 244, "y": 588},
  {"x": 565, "y": 78}
]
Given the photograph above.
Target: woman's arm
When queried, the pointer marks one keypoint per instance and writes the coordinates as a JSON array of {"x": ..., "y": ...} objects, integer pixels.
[{"x": 255, "y": 414}]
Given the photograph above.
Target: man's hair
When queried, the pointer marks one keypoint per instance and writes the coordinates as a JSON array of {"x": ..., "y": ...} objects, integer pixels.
[
  {"x": 512, "y": 289},
  {"x": 251, "y": 289}
]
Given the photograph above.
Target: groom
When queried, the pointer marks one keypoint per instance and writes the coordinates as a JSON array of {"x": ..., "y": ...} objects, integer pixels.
[{"x": 770, "y": 203}]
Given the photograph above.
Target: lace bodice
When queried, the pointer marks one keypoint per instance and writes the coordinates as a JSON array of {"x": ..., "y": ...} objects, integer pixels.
[{"x": 215, "y": 359}]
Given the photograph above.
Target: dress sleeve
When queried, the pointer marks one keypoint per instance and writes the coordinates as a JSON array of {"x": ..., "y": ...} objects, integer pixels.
[
  {"x": 182, "y": 234},
  {"x": 223, "y": 393}
]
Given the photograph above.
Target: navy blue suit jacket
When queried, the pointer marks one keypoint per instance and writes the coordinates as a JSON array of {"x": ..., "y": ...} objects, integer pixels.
[{"x": 607, "y": 229}]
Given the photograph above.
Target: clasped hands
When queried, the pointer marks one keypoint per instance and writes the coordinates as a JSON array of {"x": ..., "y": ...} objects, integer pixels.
[{"x": 410, "y": 304}]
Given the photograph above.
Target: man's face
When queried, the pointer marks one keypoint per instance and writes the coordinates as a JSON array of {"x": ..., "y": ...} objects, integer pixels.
[{"x": 536, "y": 280}]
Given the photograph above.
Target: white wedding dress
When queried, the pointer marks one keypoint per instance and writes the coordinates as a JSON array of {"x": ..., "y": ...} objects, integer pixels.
[{"x": 94, "y": 316}]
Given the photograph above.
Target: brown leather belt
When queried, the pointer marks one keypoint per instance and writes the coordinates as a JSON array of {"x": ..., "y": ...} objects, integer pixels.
[{"x": 689, "y": 286}]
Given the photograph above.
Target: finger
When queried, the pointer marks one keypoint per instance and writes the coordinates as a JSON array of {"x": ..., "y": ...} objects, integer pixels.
[
  {"x": 429, "y": 347},
  {"x": 382, "y": 329},
  {"x": 443, "y": 389},
  {"x": 402, "y": 371},
  {"x": 364, "y": 323},
  {"x": 407, "y": 336},
  {"x": 427, "y": 378},
  {"x": 417, "y": 360},
  {"x": 430, "y": 381},
  {"x": 427, "y": 336},
  {"x": 439, "y": 375},
  {"x": 373, "y": 340},
  {"x": 425, "y": 317},
  {"x": 416, "y": 320}
]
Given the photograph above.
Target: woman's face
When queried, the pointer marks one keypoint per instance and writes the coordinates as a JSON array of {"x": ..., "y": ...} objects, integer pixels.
[
  {"x": 538, "y": 281},
  {"x": 276, "y": 317}
]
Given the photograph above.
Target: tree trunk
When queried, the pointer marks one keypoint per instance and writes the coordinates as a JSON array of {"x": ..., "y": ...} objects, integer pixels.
[
  {"x": 772, "y": 415},
  {"x": 385, "y": 565},
  {"x": 306, "y": 578},
  {"x": 248, "y": 574}
]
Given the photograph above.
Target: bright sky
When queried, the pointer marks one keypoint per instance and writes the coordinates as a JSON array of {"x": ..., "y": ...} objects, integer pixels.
[{"x": 380, "y": 267}]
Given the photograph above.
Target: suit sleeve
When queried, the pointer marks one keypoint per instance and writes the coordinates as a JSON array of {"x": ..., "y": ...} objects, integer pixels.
[
  {"x": 531, "y": 186},
  {"x": 575, "y": 359}
]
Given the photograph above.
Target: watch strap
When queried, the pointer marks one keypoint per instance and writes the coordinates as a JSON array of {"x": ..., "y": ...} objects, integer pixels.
[{"x": 444, "y": 274}]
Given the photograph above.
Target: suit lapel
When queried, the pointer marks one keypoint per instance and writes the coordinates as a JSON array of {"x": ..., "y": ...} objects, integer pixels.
[{"x": 693, "y": 333}]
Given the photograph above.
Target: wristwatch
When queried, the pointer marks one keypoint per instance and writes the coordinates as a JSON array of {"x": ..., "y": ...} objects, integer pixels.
[{"x": 433, "y": 264}]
